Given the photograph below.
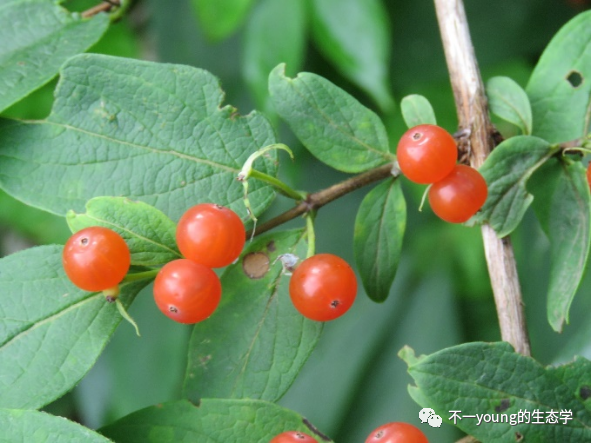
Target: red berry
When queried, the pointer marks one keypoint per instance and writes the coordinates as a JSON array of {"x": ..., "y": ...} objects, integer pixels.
[
  {"x": 397, "y": 432},
  {"x": 588, "y": 175},
  {"x": 426, "y": 153},
  {"x": 187, "y": 292},
  {"x": 96, "y": 259},
  {"x": 458, "y": 196},
  {"x": 293, "y": 437},
  {"x": 323, "y": 287},
  {"x": 211, "y": 235}
]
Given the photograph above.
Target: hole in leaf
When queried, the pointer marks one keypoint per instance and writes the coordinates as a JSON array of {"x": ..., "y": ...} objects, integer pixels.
[
  {"x": 585, "y": 392},
  {"x": 504, "y": 405},
  {"x": 256, "y": 265},
  {"x": 575, "y": 79}
]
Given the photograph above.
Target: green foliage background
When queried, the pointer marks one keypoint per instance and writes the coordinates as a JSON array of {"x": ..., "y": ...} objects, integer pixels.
[{"x": 441, "y": 296}]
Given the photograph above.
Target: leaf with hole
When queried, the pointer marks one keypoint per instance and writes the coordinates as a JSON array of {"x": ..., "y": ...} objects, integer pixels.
[
  {"x": 559, "y": 87},
  {"x": 509, "y": 101},
  {"x": 149, "y": 233},
  {"x": 378, "y": 237},
  {"x": 255, "y": 344},
  {"x": 212, "y": 420},
  {"x": 417, "y": 110},
  {"x": 37, "y": 37},
  {"x": 51, "y": 333},
  {"x": 336, "y": 128},
  {"x": 149, "y": 131},
  {"x": 562, "y": 205},
  {"x": 506, "y": 171},
  {"x": 33, "y": 426},
  {"x": 492, "y": 379}
]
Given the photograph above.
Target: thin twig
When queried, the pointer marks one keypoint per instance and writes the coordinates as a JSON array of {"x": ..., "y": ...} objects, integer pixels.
[
  {"x": 320, "y": 198},
  {"x": 473, "y": 116},
  {"x": 106, "y": 6}
]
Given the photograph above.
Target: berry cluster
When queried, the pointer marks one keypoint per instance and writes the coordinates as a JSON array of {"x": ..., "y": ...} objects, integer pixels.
[
  {"x": 427, "y": 154},
  {"x": 391, "y": 432},
  {"x": 187, "y": 290}
]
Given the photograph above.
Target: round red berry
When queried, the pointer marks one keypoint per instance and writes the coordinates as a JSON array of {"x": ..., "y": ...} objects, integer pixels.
[
  {"x": 396, "y": 432},
  {"x": 458, "y": 196},
  {"x": 293, "y": 437},
  {"x": 588, "y": 175},
  {"x": 96, "y": 259},
  {"x": 187, "y": 292},
  {"x": 211, "y": 235},
  {"x": 323, "y": 287},
  {"x": 426, "y": 153}
]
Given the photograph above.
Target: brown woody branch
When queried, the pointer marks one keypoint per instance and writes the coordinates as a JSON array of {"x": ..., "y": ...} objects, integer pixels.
[
  {"x": 317, "y": 200},
  {"x": 473, "y": 116}
]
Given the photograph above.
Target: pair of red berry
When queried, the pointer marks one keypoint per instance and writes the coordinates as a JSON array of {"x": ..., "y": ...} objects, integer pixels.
[
  {"x": 391, "y": 432},
  {"x": 209, "y": 236},
  {"x": 427, "y": 154}
]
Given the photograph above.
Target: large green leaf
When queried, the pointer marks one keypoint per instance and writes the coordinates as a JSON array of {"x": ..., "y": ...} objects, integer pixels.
[
  {"x": 37, "y": 37},
  {"x": 506, "y": 171},
  {"x": 378, "y": 237},
  {"x": 417, "y": 110},
  {"x": 562, "y": 205},
  {"x": 509, "y": 101},
  {"x": 220, "y": 18},
  {"x": 121, "y": 127},
  {"x": 332, "y": 125},
  {"x": 51, "y": 333},
  {"x": 34, "y": 426},
  {"x": 149, "y": 234},
  {"x": 212, "y": 420},
  {"x": 276, "y": 33},
  {"x": 492, "y": 379},
  {"x": 256, "y": 342},
  {"x": 355, "y": 36},
  {"x": 559, "y": 88}
]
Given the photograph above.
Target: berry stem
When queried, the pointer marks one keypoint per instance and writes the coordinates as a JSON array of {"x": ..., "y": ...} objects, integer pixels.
[
  {"x": 143, "y": 275},
  {"x": 277, "y": 184},
  {"x": 125, "y": 315},
  {"x": 310, "y": 235},
  {"x": 321, "y": 198},
  {"x": 473, "y": 116}
]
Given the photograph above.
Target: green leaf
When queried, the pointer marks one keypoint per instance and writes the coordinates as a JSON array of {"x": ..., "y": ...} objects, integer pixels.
[
  {"x": 51, "y": 333},
  {"x": 148, "y": 131},
  {"x": 34, "y": 426},
  {"x": 509, "y": 101},
  {"x": 490, "y": 378},
  {"x": 417, "y": 110},
  {"x": 149, "y": 234},
  {"x": 354, "y": 35},
  {"x": 220, "y": 18},
  {"x": 330, "y": 123},
  {"x": 275, "y": 33},
  {"x": 378, "y": 237},
  {"x": 559, "y": 88},
  {"x": 562, "y": 205},
  {"x": 256, "y": 342},
  {"x": 506, "y": 171},
  {"x": 37, "y": 37},
  {"x": 212, "y": 420}
]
